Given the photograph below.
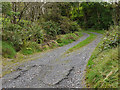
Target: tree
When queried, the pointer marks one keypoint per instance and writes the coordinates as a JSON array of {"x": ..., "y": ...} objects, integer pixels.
[{"x": 116, "y": 12}]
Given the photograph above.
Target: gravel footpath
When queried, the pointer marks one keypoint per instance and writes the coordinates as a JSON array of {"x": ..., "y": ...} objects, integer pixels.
[{"x": 54, "y": 69}]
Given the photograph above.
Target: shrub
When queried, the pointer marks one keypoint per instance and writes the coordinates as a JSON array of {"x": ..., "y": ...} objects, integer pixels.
[
  {"x": 110, "y": 39},
  {"x": 35, "y": 33},
  {"x": 68, "y": 26},
  {"x": 31, "y": 47},
  {"x": 19, "y": 34},
  {"x": 52, "y": 29},
  {"x": 68, "y": 38},
  {"x": 65, "y": 25},
  {"x": 7, "y": 50},
  {"x": 27, "y": 51},
  {"x": 24, "y": 23},
  {"x": 12, "y": 27},
  {"x": 45, "y": 47},
  {"x": 13, "y": 34},
  {"x": 74, "y": 26}
]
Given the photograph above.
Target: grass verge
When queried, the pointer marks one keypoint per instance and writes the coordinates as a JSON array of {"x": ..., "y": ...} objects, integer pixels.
[
  {"x": 102, "y": 69},
  {"x": 96, "y": 31},
  {"x": 82, "y": 43}
]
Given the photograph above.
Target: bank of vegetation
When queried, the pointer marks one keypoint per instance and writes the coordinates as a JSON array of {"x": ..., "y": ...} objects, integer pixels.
[
  {"x": 31, "y": 27},
  {"x": 102, "y": 68}
]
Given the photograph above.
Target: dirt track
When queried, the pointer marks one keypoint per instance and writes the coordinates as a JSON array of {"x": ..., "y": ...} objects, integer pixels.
[{"x": 54, "y": 68}]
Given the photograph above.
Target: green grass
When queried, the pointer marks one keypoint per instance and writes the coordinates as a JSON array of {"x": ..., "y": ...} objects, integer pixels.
[
  {"x": 102, "y": 71},
  {"x": 102, "y": 68},
  {"x": 82, "y": 43},
  {"x": 68, "y": 38},
  {"x": 97, "y": 31},
  {"x": 94, "y": 55},
  {"x": 7, "y": 50}
]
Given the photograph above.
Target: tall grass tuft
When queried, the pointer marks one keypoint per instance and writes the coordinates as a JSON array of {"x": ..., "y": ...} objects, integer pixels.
[{"x": 8, "y": 50}]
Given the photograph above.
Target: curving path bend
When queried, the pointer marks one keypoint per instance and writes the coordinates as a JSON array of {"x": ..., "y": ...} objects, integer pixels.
[{"x": 54, "y": 69}]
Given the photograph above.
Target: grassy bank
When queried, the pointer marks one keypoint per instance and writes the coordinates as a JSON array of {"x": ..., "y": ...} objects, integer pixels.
[
  {"x": 102, "y": 67},
  {"x": 82, "y": 43}
]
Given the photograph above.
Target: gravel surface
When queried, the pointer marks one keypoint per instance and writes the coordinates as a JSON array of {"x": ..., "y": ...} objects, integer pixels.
[{"x": 54, "y": 69}]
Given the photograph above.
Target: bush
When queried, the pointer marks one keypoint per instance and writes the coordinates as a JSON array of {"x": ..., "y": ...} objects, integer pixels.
[
  {"x": 27, "y": 51},
  {"x": 35, "y": 33},
  {"x": 68, "y": 26},
  {"x": 65, "y": 25},
  {"x": 74, "y": 26},
  {"x": 18, "y": 35},
  {"x": 68, "y": 38},
  {"x": 31, "y": 47},
  {"x": 7, "y": 50},
  {"x": 13, "y": 34},
  {"x": 110, "y": 39},
  {"x": 52, "y": 29}
]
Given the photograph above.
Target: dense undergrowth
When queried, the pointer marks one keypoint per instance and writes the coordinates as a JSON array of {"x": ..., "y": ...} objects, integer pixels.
[
  {"x": 29, "y": 37},
  {"x": 33, "y": 48},
  {"x": 102, "y": 67},
  {"x": 31, "y": 27},
  {"x": 68, "y": 38},
  {"x": 8, "y": 50}
]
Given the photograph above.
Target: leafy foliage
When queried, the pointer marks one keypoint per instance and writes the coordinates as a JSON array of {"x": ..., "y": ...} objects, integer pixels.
[
  {"x": 18, "y": 35},
  {"x": 26, "y": 22},
  {"x": 51, "y": 28},
  {"x": 6, "y": 8},
  {"x": 68, "y": 38},
  {"x": 92, "y": 15},
  {"x": 12, "y": 33},
  {"x": 111, "y": 38},
  {"x": 31, "y": 47},
  {"x": 67, "y": 26},
  {"x": 7, "y": 50},
  {"x": 102, "y": 67}
]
